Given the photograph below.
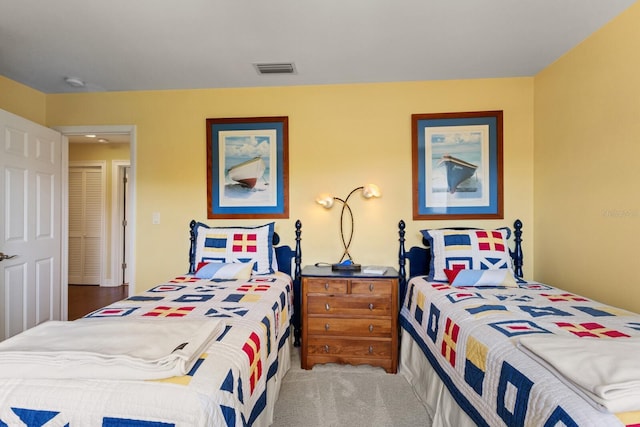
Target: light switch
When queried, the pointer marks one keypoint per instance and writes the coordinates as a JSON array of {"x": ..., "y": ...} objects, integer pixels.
[{"x": 155, "y": 218}]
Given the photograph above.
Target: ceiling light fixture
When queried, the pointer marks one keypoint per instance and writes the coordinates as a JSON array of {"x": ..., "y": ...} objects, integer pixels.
[{"x": 74, "y": 81}]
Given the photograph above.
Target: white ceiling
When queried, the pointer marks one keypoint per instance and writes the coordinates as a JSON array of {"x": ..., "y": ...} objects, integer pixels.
[{"x": 122, "y": 45}]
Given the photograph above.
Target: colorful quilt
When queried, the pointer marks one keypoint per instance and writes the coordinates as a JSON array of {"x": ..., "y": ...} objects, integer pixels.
[
  {"x": 228, "y": 385},
  {"x": 470, "y": 336}
]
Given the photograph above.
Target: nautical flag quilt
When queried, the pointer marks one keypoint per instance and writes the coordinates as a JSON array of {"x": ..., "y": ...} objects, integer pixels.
[
  {"x": 232, "y": 383},
  {"x": 470, "y": 337}
]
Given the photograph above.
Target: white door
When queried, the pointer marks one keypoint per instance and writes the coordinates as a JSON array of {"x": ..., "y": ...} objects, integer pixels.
[
  {"x": 30, "y": 224},
  {"x": 86, "y": 222}
]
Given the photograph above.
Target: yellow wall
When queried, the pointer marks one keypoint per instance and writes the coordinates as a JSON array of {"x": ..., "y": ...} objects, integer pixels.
[
  {"x": 586, "y": 110},
  {"x": 587, "y": 170},
  {"x": 22, "y": 101},
  {"x": 107, "y": 153},
  {"x": 340, "y": 137}
]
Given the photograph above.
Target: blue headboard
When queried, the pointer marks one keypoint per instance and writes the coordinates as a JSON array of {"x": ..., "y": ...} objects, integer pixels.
[{"x": 420, "y": 257}]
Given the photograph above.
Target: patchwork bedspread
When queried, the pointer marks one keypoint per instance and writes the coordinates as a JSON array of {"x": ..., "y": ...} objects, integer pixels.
[
  {"x": 228, "y": 385},
  {"x": 470, "y": 337}
]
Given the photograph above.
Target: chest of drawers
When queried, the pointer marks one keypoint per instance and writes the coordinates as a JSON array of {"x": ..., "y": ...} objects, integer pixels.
[{"x": 349, "y": 318}]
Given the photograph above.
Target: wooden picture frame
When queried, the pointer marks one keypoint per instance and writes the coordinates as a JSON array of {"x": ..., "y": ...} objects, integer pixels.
[
  {"x": 457, "y": 165},
  {"x": 248, "y": 167}
]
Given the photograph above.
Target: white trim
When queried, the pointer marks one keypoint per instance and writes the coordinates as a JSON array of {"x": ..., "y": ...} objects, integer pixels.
[
  {"x": 132, "y": 210},
  {"x": 117, "y": 174},
  {"x": 64, "y": 232},
  {"x": 120, "y": 129},
  {"x": 103, "y": 129}
]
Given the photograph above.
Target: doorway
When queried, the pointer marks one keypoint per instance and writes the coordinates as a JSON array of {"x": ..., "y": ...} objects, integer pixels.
[{"x": 122, "y": 248}]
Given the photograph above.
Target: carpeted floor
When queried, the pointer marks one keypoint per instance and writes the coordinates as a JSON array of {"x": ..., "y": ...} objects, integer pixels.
[{"x": 335, "y": 395}]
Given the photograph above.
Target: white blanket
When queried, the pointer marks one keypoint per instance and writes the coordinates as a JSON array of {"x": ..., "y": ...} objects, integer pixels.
[
  {"x": 604, "y": 371},
  {"x": 139, "y": 349}
]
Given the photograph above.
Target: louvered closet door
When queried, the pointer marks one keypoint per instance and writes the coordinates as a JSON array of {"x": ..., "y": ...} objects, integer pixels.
[{"x": 86, "y": 209}]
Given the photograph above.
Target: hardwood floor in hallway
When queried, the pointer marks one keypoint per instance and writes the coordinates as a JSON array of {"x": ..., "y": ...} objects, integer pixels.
[{"x": 83, "y": 299}]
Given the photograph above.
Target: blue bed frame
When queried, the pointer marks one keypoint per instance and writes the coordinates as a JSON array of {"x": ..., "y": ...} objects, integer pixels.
[
  {"x": 284, "y": 255},
  {"x": 420, "y": 257}
]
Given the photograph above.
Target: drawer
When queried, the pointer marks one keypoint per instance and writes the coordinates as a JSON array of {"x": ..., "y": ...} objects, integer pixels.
[
  {"x": 372, "y": 287},
  {"x": 349, "y": 347},
  {"x": 352, "y": 305},
  {"x": 348, "y": 326},
  {"x": 326, "y": 286}
]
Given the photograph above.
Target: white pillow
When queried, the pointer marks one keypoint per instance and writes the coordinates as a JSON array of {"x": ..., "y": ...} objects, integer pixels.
[
  {"x": 236, "y": 244},
  {"x": 469, "y": 249}
]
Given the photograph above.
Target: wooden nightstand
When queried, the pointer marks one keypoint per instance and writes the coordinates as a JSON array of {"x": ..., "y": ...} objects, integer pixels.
[{"x": 349, "y": 317}]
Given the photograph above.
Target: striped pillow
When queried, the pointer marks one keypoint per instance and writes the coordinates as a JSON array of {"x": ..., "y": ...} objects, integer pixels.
[
  {"x": 478, "y": 278},
  {"x": 225, "y": 271}
]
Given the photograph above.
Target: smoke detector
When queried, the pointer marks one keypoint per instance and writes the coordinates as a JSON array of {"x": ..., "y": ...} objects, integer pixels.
[{"x": 74, "y": 81}]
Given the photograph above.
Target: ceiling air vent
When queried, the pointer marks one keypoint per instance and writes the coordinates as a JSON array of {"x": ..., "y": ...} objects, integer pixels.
[{"x": 276, "y": 68}]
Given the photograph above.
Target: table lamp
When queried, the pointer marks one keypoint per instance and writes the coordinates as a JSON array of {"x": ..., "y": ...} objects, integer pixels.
[{"x": 326, "y": 200}]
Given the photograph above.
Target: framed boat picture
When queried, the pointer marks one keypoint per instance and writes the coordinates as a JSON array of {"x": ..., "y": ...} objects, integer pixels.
[
  {"x": 457, "y": 165},
  {"x": 248, "y": 167}
]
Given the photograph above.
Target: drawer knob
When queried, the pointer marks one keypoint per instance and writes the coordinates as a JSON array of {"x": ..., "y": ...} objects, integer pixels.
[
  {"x": 326, "y": 286},
  {"x": 370, "y": 349},
  {"x": 371, "y": 287},
  {"x": 326, "y": 349},
  {"x": 326, "y": 326},
  {"x": 370, "y": 306},
  {"x": 326, "y": 307},
  {"x": 370, "y": 328}
]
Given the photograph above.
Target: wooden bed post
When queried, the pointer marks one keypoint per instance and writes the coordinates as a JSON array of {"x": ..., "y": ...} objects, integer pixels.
[
  {"x": 192, "y": 247},
  {"x": 402, "y": 259},
  {"x": 298, "y": 255},
  {"x": 297, "y": 288},
  {"x": 517, "y": 253}
]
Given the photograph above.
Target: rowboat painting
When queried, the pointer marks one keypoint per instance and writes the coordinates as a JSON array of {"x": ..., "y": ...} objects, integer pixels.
[
  {"x": 248, "y": 172},
  {"x": 458, "y": 171}
]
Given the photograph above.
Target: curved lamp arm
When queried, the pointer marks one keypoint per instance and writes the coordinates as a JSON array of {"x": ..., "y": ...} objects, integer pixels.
[{"x": 368, "y": 191}]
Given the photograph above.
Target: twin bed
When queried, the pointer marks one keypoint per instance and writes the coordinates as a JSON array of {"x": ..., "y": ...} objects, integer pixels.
[
  {"x": 475, "y": 338},
  {"x": 240, "y": 285}
]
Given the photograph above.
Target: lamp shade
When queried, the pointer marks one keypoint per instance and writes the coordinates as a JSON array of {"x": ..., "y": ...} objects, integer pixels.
[
  {"x": 325, "y": 200},
  {"x": 371, "y": 190}
]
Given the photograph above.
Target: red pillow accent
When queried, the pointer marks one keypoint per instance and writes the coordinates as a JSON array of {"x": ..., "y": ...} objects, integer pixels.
[
  {"x": 201, "y": 264},
  {"x": 451, "y": 274}
]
